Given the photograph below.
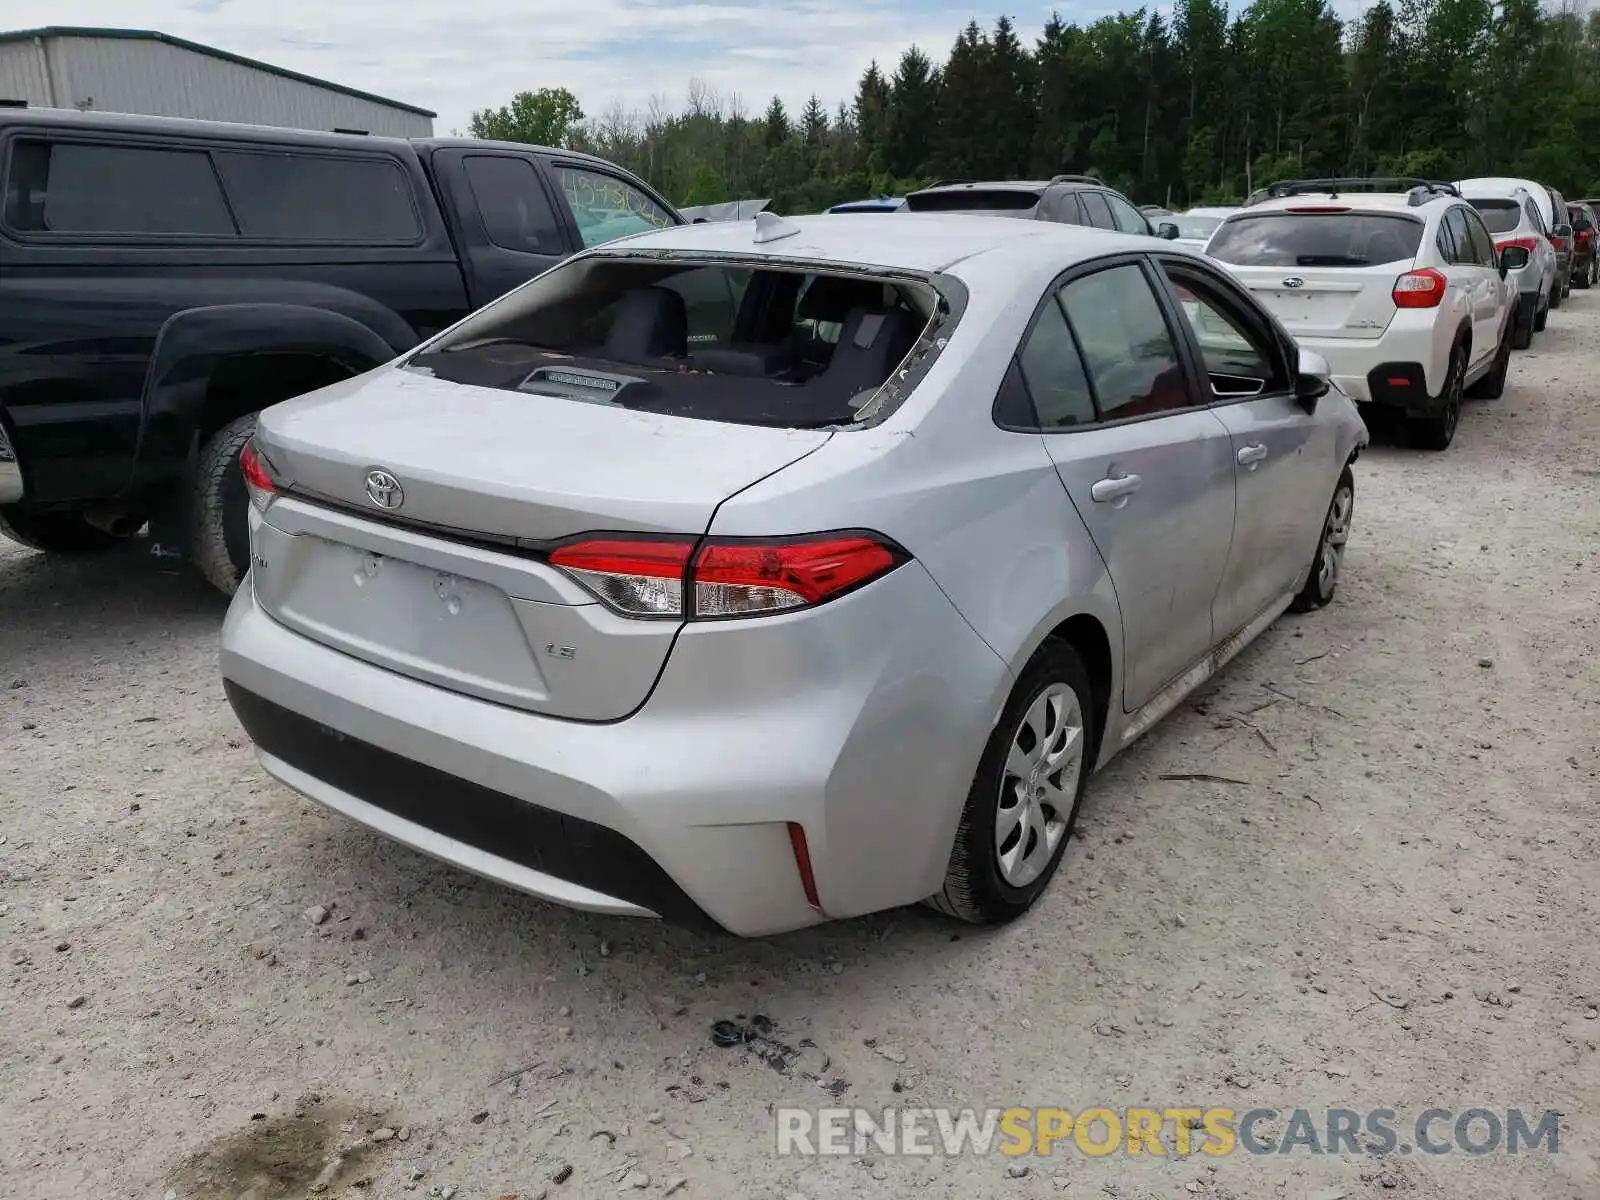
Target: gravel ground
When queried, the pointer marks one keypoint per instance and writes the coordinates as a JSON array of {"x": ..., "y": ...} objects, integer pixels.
[{"x": 1390, "y": 910}]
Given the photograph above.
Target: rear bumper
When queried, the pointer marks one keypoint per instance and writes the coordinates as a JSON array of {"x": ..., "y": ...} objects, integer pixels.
[
  {"x": 861, "y": 723},
  {"x": 1409, "y": 342}
]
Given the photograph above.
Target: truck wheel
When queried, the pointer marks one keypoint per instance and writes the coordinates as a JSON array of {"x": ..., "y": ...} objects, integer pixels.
[
  {"x": 219, "y": 507},
  {"x": 54, "y": 532}
]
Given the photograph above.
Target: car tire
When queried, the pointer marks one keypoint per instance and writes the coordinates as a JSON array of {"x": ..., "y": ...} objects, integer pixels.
[
  {"x": 219, "y": 508},
  {"x": 1557, "y": 295},
  {"x": 1522, "y": 328},
  {"x": 1585, "y": 277},
  {"x": 1541, "y": 317},
  {"x": 54, "y": 532},
  {"x": 1437, "y": 431},
  {"x": 1493, "y": 385},
  {"x": 1012, "y": 836},
  {"x": 1329, "y": 561}
]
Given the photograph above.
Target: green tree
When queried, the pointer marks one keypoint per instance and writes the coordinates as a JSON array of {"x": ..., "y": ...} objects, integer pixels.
[
  {"x": 547, "y": 117},
  {"x": 914, "y": 112}
]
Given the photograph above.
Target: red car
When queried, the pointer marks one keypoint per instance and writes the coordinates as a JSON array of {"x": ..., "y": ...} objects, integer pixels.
[{"x": 1585, "y": 233}]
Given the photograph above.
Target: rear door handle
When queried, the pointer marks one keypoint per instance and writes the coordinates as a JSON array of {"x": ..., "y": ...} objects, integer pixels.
[
  {"x": 1250, "y": 455},
  {"x": 1112, "y": 489}
]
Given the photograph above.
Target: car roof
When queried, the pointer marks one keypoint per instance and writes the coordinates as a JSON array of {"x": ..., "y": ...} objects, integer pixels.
[
  {"x": 1498, "y": 185},
  {"x": 1396, "y": 202},
  {"x": 915, "y": 242},
  {"x": 1209, "y": 210}
]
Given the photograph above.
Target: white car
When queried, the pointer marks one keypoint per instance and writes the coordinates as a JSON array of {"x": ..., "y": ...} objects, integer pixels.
[
  {"x": 1196, "y": 226},
  {"x": 1511, "y": 213},
  {"x": 1402, "y": 292}
]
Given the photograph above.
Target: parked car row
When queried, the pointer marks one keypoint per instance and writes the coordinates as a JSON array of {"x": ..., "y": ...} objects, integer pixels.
[{"x": 1416, "y": 291}]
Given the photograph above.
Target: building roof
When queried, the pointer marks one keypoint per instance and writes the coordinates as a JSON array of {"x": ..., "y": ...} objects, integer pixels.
[{"x": 150, "y": 35}]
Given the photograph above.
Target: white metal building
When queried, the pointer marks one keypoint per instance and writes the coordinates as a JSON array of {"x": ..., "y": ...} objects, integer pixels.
[{"x": 137, "y": 71}]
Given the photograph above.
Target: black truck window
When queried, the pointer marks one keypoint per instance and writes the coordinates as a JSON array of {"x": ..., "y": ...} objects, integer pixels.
[
  {"x": 287, "y": 197},
  {"x": 79, "y": 188},
  {"x": 516, "y": 212}
]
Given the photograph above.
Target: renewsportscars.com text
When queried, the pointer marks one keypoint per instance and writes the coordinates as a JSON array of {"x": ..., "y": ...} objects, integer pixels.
[{"x": 1217, "y": 1132}]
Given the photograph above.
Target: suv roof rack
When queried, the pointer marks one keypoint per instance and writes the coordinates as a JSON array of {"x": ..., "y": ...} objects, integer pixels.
[
  {"x": 1418, "y": 190},
  {"x": 1076, "y": 179}
]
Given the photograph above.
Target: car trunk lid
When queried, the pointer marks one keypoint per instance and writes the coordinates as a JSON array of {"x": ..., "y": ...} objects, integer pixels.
[{"x": 448, "y": 584}]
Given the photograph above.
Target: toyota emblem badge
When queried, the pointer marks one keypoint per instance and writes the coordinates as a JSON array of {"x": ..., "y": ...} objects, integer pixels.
[{"x": 384, "y": 490}]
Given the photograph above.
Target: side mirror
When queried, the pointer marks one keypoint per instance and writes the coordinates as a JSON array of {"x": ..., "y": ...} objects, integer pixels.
[
  {"x": 1563, "y": 231},
  {"x": 1513, "y": 258},
  {"x": 1313, "y": 380},
  {"x": 698, "y": 221},
  {"x": 1167, "y": 230}
]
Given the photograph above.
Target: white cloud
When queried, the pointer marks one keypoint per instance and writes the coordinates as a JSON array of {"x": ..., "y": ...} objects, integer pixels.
[{"x": 477, "y": 56}]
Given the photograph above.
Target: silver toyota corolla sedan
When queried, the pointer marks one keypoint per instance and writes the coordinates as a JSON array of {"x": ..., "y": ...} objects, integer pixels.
[{"x": 777, "y": 572}]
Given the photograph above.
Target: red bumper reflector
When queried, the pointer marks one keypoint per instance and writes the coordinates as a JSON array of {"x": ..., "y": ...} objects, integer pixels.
[
  {"x": 802, "y": 860},
  {"x": 1397, "y": 382}
]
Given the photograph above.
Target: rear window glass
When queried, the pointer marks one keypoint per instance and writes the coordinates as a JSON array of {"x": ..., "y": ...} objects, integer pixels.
[
  {"x": 1501, "y": 216},
  {"x": 309, "y": 198},
  {"x": 719, "y": 341},
  {"x": 1015, "y": 201},
  {"x": 1194, "y": 227},
  {"x": 1287, "y": 239}
]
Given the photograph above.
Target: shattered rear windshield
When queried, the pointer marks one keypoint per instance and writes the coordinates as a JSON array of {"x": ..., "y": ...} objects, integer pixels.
[{"x": 748, "y": 342}]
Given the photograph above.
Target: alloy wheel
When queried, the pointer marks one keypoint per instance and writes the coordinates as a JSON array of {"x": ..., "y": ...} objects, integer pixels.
[
  {"x": 1454, "y": 386},
  {"x": 1335, "y": 533},
  {"x": 1039, "y": 784}
]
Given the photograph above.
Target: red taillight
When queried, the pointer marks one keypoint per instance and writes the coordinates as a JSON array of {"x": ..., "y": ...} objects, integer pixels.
[
  {"x": 1560, "y": 243},
  {"x": 257, "y": 479},
  {"x": 728, "y": 578},
  {"x": 1530, "y": 244},
  {"x": 1586, "y": 235},
  {"x": 1419, "y": 289}
]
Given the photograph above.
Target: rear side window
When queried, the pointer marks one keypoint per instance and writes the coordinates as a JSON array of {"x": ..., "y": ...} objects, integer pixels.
[
  {"x": 1054, "y": 372},
  {"x": 1501, "y": 216},
  {"x": 1098, "y": 211},
  {"x": 516, "y": 213},
  {"x": 1013, "y": 201},
  {"x": 1128, "y": 218},
  {"x": 70, "y": 187},
  {"x": 1289, "y": 239},
  {"x": 1482, "y": 243},
  {"x": 310, "y": 198},
  {"x": 1127, "y": 346}
]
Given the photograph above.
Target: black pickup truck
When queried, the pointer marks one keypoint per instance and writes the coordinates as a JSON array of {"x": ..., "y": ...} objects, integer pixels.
[{"x": 163, "y": 280}]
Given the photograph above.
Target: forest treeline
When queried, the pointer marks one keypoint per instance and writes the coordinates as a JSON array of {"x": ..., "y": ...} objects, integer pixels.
[{"x": 1191, "y": 108}]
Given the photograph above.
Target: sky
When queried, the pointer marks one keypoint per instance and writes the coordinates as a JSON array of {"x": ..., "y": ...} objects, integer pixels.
[{"x": 473, "y": 54}]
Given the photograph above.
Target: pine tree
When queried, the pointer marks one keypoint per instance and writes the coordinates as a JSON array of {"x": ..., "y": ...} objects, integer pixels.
[
  {"x": 775, "y": 126},
  {"x": 814, "y": 122},
  {"x": 913, "y": 116}
]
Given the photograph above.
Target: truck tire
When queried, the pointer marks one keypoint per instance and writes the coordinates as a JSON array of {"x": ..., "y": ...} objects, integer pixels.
[
  {"x": 54, "y": 532},
  {"x": 219, "y": 508}
]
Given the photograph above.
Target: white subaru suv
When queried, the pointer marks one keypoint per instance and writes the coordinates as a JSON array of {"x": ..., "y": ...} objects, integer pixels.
[{"x": 1397, "y": 283}]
